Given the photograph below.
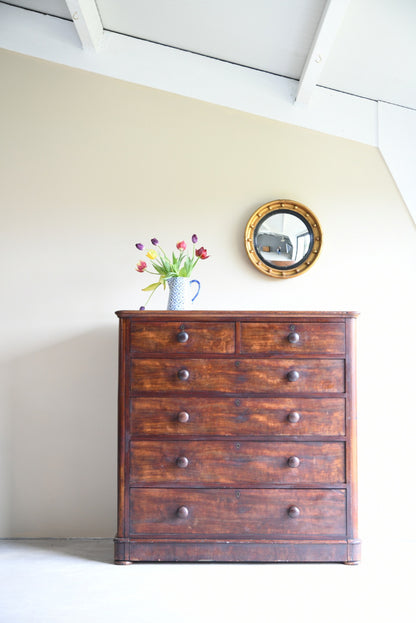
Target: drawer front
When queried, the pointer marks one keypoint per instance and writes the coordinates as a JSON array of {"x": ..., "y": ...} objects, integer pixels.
[
  {"x": 301, "y": 337},
  {"x": 189, "y": 415},
  {"x": 267, "y": 513},
  {"x": 236, "y": 463},
  {"x": 182, "y": 337},
  {"x": 237, "y": 375}
]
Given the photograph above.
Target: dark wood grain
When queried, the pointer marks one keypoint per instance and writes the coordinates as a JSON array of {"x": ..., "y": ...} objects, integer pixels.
[
  {"x": 123, "y": 485},
  {"x": 237, "y": 375},
  {"x": 159, "y": 415},
  {"x": 234, "y": 513},
  {"x": 259, "y": 550},
  {"x": 308, "y": 338},
  {"x": 202, "y": 337},
  {"x": 237, "y": 316},
  {"x": 237, "y": 437},
  {"x": 233, "y": 462}
]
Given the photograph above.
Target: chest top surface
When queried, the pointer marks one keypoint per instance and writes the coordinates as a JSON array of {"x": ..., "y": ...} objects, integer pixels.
[{"x": 237, "y": 315}]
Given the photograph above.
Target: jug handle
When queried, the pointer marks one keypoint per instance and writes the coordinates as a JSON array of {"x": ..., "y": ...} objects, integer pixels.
[{"x": 199, "y": 287}]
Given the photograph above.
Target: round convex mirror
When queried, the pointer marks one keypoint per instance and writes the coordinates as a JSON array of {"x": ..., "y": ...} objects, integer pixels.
[{"x": 283, "y": 238}]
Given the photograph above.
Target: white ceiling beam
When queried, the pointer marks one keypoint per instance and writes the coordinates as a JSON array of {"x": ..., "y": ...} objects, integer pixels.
[
  {"x": 325, "y": 35},
  {"x": 87, "y": 22},
  {"x": 190, "y": 75}
]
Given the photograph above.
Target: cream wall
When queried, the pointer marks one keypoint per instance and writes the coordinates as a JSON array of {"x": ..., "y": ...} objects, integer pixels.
[{"x": 91, "y": 165}]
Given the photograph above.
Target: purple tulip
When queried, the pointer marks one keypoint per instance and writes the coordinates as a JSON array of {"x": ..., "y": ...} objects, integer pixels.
[
  {"x": 194, "y": 238},
  {"x": 140, "y": 246},
  {"x": 142, "y": 308},
  {"x": 155, "y": 241}
]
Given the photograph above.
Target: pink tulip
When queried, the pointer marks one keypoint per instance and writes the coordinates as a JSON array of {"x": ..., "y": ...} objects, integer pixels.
[
  {"x": 181, "y": 245},
  {"x": 141, "y": 267}
]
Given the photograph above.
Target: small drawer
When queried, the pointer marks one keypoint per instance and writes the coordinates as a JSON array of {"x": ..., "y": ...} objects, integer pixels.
[
  {"x": 237, "y": 375},
  {"x": 182, "y": 337},
  {"x": 234, "y": 463},
  {"x": 189, "y": 415},
  {"x": 267, "y": 513},
  {"x": 290, "y": 338}
]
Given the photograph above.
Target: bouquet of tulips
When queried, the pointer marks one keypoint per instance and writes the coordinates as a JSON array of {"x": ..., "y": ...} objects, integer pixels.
[{"x": 178, "y": 265}]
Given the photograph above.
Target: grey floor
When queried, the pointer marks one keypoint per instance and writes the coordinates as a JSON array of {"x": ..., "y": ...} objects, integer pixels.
[{"x": 62, "y": 580}]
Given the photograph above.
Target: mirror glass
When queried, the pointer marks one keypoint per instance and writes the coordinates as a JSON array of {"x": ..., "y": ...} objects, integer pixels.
[{"x": 283, "y": 238}]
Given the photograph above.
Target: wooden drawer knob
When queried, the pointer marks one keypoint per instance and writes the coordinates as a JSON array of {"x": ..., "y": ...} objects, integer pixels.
[
  {"x": 182, "y": 461},
  {"x": 293, "y": 512},
  {"x": 293, "y": 417},
  {"x": 182, "y": 512},
  {"x": 293, "y": 461},
  {"x": 292, "y": 375},
  {"x": 183, "y": 417},
  {"x": 182, "y": 337},
  {"x": 183, "y": 374},
  {"x": 293, "y": 337}
]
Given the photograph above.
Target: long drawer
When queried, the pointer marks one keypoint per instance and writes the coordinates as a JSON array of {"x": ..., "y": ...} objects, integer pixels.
[
  {"x": 238, "y": 375},
  {"x": 177, "y": 415},
  {"x": 267, "y": 513},
  {"x": 303, "y": 337},
  {"x": 236, "y": 463}
]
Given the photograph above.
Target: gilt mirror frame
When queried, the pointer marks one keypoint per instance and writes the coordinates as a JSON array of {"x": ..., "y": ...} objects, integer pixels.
[{"x": 283, "y": 269}]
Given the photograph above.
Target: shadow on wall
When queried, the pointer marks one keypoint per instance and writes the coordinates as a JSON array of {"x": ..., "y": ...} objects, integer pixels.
[{"x": 64, "y": 438}]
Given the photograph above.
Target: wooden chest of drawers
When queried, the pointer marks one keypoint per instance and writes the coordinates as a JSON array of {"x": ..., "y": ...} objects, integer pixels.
[{"x": 237, "y": 437}]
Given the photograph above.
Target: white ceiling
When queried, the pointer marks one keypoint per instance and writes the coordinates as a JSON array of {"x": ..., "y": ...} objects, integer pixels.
[{"x": 373, "y": 54}]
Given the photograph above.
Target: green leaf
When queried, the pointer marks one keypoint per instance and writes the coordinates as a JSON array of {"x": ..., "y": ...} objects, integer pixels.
[
  {"x": 166, "y": 266},
  {"x": 152, "y": 286},
  {"x": 159, "y": 269},
  {"x": 186, "y": 268}
]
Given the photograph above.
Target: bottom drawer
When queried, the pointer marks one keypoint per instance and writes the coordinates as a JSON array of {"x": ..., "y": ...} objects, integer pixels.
[{"x": 260, "y": 513}]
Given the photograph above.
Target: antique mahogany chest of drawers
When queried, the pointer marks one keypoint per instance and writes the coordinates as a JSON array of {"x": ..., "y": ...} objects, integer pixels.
[{"x": 237, "y": 437}]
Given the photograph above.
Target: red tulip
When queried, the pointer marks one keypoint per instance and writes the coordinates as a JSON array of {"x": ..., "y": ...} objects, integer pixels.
[
  {"x": 181, "y": 245},
  {"x": 202, "y": 253},
  {"x": 141, "y": 267}
]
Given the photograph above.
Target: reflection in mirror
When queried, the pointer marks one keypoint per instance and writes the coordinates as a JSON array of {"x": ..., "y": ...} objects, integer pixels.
[{"x": 283, "y": 238}]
